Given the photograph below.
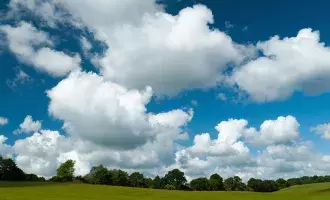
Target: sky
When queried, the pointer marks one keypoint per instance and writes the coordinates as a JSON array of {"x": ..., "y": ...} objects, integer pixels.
[{"x": 206, "y": 86}]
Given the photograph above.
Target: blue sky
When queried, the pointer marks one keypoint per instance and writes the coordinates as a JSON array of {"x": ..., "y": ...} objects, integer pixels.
[{"x": 189, "y": 62}]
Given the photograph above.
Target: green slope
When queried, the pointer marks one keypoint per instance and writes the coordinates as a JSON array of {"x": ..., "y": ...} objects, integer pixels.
[{"x": 46, "y": 191}]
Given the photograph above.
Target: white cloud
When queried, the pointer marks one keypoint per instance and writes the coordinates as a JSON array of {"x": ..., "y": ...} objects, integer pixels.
[
  {"x": 296, "y": 64},
  {"x": 165, "y": 46},
  {"x": 86, "y": 45},
  {"x": 28, "y": 126},
  {"x": 161, "y": 46},
  {"x": 3, "y": 121},
  {"x": 30, "y": 46},
  {"x": 323, "y": 130},
  {"x": 279, "y": 131},
  {"x": 5, "y": 149},
  {"x": 108, "y": 114},
  {"x": 38, "y": 153},
  {"x": 42, "y": 153}
]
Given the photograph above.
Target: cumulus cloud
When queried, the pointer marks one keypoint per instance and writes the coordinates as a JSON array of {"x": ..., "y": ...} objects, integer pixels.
[
  {"x": 28, "y": 125},
  {"x": 279, "y": 131},
  {"x": 323, "y": 130},
  {"x": 38, "y": 153},
  {"x": 228, "y": 155},
  {"x": 161, "y": 46},
  {"x": 295, "y": 64},
  {"x": 5, "y": 149},
  {"x": 31, "y": 46},
  {"x": 3, "y": 121},
  {"x": 109, "y": 114}
]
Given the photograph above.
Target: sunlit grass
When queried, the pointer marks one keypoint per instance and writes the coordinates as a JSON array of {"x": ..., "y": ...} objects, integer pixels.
[{"x": 50, "y": 191}]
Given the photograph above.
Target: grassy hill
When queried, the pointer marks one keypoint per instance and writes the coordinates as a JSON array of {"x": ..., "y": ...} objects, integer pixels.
[{"x": 50, "y": 191}]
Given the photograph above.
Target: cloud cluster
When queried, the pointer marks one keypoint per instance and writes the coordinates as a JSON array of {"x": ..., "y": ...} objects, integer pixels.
[
  {"x": 32, "y": 47},
  {"x": 151, "y": 52},
  {"x": 323, "y": 130},
  {"x": 109, "y": 114},
  {"x": 28, "y": 126},
  {"x": 288, "y": 65},
  {"x": 5, "y": 149},
  {"x": 170, "y": 52}
]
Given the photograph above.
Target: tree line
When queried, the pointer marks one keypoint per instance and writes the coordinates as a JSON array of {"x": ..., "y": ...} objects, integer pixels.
[
  {"x": 173, "y": 180},
  {"x": 10, "y": 172}
]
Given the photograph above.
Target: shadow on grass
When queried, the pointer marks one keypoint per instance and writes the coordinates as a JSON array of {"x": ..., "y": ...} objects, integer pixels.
[
  {"x": 323, "y": 191},
  {"x": 9, "y": 184}
]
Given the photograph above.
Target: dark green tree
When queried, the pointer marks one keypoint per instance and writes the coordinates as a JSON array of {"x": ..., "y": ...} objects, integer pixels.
[
  {"x": 234, "y": 184},
  {"x": 9, "y": 170},
  {"x": 157, "y": 183},
  {"x": 282, "y": 183},
  {"x": 175, "y": 178},
  {"x": 200, "y": 184},
  {"x": 99, "y": 175},
  {"x": 136, "y": 179},
  {"x": 216, "y": 182}
]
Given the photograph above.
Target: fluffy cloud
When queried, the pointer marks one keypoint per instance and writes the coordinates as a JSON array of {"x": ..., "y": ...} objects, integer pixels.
[
  {"x": 107, "y": 113},
  {"x": 323, "y": 130},
  {"x": 290, "y": 64},
  {"x": 31, "y": 47},
  {"x": 281, "y": 130},
  {"x": 229, "y": 156},
  {"x": 5, "y": 149},
  {"x": 3, "y": 121},
  {"x": 39, "y": 153},
  {"x": 163, "y": 47},
  {"x": 292, "y": 161},
  {"x": 28, "y": 125}
]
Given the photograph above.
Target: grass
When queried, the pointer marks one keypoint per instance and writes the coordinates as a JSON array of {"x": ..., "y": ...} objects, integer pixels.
[{"x": 52, "y": 191}]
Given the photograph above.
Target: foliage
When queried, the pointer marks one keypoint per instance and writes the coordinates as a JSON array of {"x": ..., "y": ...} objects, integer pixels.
[
  {"x": 216, "y": 182},
  {"x": 234, "y": 184},
  {"x": 200, "y": 184},
  {"x": 136, "y": 179},
  {"x": 66, "y": 171},
  {"x": 175, "y": 178},
  {"x": 9, "y": 170}
]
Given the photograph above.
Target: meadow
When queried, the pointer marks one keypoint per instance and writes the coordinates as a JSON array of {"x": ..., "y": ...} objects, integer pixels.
[{"x": 66, "y": 191}]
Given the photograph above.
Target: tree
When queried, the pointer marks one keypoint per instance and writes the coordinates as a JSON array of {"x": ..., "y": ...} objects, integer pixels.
[
  {"x": 255, "y": 184},
  {"x": 157, "y": 183},
  {"x": 120, "y": 177},
  {"x": 269, "y": 186},
  {"x": 136, "y": 179},
  {"x": 148, "y": 183},
  {"x": 99, "y": 175},
  {"x": 216, "y": 182},
  {"x": 9, "y": 170},
  {"x": 282, "y": 183},
  {"x": 175, "y": 178},
  {"x": 234, "y": 184},
  {"x": 66, "y": 171},
  {"x": 200, "y": 184}
]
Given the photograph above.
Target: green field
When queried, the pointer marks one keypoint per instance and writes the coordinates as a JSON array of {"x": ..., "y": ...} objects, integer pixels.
[{"x": 49, "y": 191}]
